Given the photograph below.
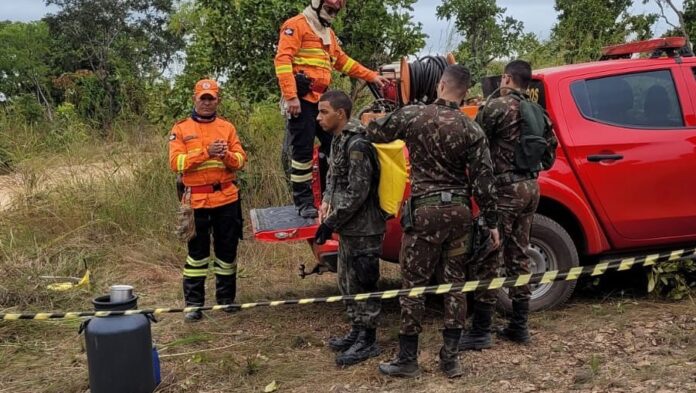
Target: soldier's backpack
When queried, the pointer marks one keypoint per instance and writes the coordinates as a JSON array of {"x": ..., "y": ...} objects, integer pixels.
[
  {"x": 392, "y": 173},
  {"x": 530, "y": 152}
]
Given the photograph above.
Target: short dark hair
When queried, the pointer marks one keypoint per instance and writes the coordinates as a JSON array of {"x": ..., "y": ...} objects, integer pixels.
[
  {"x": 338, "y": 100},
  {"x": 458, "y": 78},
  {"x": 521, "y": 73}
]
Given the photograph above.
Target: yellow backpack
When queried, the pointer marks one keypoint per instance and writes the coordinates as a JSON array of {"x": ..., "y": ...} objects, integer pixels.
[
  {"x": 390, "y": 159},
  {"x": 393, "y": 175}
]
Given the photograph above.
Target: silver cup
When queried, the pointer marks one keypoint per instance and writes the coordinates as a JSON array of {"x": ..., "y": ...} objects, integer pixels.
[{"x": 121, "y": 293}]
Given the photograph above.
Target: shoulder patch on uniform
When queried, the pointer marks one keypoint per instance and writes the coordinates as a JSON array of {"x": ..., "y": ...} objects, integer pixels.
[
  {"x": 172, "y": 137},
  {"x": 289, "y": 31},
  {"x": 356, "y": 155}
]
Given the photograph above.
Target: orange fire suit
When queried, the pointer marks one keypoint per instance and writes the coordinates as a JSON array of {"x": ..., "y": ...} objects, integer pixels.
[
  {"x": 188, "y": 155},
  {"x": 300, "y": 49},
  {"x": 216, "y": 204}
]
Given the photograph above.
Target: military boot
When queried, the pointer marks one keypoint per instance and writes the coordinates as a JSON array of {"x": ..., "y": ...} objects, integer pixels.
[
  {"x": 340, "y": 344},
  {"x": 449, "y": 362},
  {"x": 365, "y": 347},
  {"x": 406, "y": 364},
  {"x": 516, "y": 330},
  {"x": 479, "y": 337}
]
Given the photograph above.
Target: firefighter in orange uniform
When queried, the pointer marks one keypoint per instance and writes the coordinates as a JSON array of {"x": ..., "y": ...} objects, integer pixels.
[
  {"x": 205, "y": 150},
  {"x": 307, "y": 53}
]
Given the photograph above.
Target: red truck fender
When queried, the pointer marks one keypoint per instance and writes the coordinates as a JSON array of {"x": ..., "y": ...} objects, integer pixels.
[{"x": 565, "y": 196}]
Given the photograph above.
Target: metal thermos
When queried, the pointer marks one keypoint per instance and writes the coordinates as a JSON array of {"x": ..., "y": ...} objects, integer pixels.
[{"x": 120, "y": 293}]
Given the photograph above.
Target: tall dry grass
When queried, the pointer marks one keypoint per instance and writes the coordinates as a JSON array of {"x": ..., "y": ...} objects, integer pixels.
[{"x": 112, "y": 204}]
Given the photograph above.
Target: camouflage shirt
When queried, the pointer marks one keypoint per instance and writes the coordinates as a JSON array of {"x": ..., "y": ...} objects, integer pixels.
[
  {"x": 502, "y": 123},
  {"x": 351, "y": 188},
  {"x": 448, "y": 152}
]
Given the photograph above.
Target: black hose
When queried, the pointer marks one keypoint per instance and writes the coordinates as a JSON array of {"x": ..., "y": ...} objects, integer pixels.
[{"x": 425, "y": 75}]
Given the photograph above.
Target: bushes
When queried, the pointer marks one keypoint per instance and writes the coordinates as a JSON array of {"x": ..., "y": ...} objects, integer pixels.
[{"x": 674, "y": 280}]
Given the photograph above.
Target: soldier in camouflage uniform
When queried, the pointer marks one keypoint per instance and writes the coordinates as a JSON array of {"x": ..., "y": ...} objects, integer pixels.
[
  {"x": 351, "y": 208},
  {"x": 518, "y": 198},
  {"x": 449, "y": 159}
]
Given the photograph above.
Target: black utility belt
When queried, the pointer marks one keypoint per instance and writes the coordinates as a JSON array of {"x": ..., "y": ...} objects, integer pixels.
[{"x": 512, "y": 177}]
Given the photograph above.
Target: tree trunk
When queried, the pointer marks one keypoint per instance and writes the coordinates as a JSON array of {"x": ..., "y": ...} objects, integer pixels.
[
  {"x": 682, "y": 24},
  {"x": 42, "y": 97}
]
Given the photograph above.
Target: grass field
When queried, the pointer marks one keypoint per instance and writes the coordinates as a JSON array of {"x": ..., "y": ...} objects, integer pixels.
[{"x": 113, "y": 206}]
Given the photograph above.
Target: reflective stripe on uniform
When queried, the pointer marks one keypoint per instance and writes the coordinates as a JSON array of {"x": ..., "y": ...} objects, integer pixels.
[
  {"x": 225, "y": 269},
  {"x": 283, "y": 69},
  {"x": 348, "y": 66},
  {"x": 311, "y": 52},
  {"x": 195, "y": 273},
  {"x": 301, "y": 178},
  {"x": 240, "y": 159},
  {"x": 194, "y": 263},
  {"x": 301, "y": 166},
  {"x": 225, "y": 265},
  {"x": 311, "y": 62},
  {"x": 209, "y": 164},
  {"x": 180, "y": 162},
  {"x": 224, "y": 272}
]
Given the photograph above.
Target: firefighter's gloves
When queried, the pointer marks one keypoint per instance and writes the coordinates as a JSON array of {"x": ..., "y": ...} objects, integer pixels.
[{"x": 323, "y": 234}]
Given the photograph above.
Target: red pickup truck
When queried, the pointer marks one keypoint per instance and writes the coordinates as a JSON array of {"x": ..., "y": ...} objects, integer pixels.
[{"x": 623, "y": 182}]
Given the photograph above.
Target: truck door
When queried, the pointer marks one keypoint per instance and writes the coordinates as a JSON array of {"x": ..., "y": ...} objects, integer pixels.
[{"x": 634, "y": 149}]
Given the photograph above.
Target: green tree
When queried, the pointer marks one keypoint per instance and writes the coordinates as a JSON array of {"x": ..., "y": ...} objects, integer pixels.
[
  {"x": 378, "y": 32},
  {"x": 685, "y": 24},
  {"x": 239, "y": 38},
  {"x": 585, "y": 26},
  {"x": 486, "y": 31},
  {"x": 125, "y": 43},
  {"x": 25, "y": 48},
  {"x": 689, "y": 16}
]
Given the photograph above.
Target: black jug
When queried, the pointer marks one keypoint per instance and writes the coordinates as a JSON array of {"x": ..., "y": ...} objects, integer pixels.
[{"x": 119, "y": 349}]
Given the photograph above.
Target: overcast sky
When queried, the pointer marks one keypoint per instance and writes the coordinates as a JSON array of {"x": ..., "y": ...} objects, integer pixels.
[{"x": 538, "y": 17}]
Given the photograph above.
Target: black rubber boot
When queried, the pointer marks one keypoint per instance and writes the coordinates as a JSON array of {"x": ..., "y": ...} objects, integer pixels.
[
  {"x": 194, "y": 296},
  {"x": 479, "y": 337},
  {"x": 449, "y": 362},
  {"x": 193, "y": 316},
  {"x": 364, "y": 348},
  {"x": 406, "y": 364},
  {"x": 226, "y": 291},
  {"x": 517, "y": 330},
  {"x": 340, "y": 344}
]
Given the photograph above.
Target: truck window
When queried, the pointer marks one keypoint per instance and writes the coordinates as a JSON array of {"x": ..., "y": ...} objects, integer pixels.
[{"x": 638, "y": 100}]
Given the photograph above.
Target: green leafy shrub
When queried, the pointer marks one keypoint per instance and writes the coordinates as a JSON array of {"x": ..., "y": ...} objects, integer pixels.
[
  {"x": 27, "y": 109},
  {"x": 674, "y": 280}
]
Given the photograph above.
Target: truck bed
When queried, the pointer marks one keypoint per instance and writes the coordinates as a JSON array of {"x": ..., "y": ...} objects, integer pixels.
[{"x": 281, "y": 224}]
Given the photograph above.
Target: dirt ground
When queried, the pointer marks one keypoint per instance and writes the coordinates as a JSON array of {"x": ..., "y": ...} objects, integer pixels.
[
  {"x": 601, "y": 341},
  {"x": 593, "y": 344},
  {"x": 27, "y": 181}
]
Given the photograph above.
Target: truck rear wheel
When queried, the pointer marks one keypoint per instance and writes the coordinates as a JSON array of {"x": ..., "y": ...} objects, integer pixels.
[{"x": 551, "y": 248}]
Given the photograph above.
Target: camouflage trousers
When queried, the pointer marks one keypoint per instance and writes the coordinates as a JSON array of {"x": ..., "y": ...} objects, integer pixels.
[
  {"x": 517, "y": 204},
  {"x": 439, "y": 246},
  {"x": 358, "y": 272}
]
